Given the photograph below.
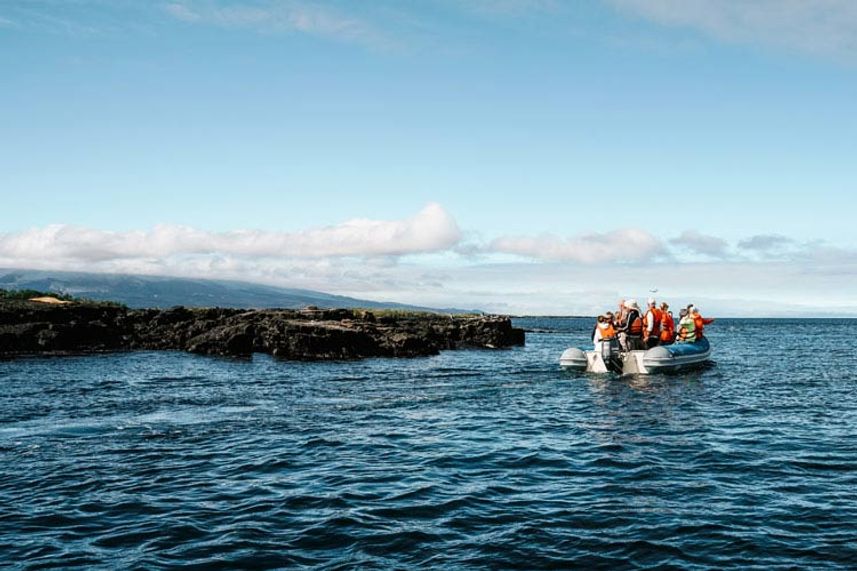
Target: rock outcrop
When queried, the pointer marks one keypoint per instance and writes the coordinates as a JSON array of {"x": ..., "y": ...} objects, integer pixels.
[{"x": 311, "y": 334}]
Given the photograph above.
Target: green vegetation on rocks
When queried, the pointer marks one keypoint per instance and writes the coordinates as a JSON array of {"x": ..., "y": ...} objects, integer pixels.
[{"x": 28, "y": 294}]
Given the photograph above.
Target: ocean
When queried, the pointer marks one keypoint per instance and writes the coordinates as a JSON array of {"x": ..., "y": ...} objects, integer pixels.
[{"x": 469, "y": 459}]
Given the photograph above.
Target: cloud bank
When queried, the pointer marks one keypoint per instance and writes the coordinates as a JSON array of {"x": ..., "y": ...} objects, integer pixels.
[
  {"x": 627, "y": 245},
  {"x": 287, "y": 16},
  {"x": 698, "y": 243},
  {"x": 819, "y": 27},
  {"x": 432, "y": 229},
  {"x": 425, "y": 260},
  {"x": 765, "y": 243}
]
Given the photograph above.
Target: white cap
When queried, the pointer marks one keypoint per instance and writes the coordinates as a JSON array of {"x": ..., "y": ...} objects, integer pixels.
[
  {"x": 651, "y": 301},
  {"x": 632, "y": 304}
]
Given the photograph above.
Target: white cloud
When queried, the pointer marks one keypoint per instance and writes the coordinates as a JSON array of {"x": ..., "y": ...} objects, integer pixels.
[
  {"x": 827, "y": 27},
  {"x": 765, "y": 242},
  {"x": 182, "y": 12},
  {"x": 626, "y": 245},
  {"x": 432, "y": 229},
  {"x": 510, "y": 7},
  {"x": 719, "y": 288},
  {"x": 415, "y": 260},
  {"x": 283, "y": 16},
  {"x": 702, "y": 244}
]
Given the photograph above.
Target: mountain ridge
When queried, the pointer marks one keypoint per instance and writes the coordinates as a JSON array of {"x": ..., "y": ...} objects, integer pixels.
[{"x": 139, "y": 291}]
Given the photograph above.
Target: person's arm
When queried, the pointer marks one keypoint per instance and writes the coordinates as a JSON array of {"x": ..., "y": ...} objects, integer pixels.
[
  {"x": 650, "y": 322},
  {"x": 707, "y": 321}
]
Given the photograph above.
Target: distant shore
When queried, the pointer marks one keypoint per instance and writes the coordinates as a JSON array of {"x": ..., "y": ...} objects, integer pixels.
[{"x": 34, "y": 328}]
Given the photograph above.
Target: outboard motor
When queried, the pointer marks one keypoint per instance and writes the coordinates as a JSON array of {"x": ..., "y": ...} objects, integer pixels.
[{"x": 612, "y": 355}]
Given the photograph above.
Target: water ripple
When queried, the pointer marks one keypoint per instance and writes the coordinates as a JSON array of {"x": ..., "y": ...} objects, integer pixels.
[{"x": 466, "y": 459}]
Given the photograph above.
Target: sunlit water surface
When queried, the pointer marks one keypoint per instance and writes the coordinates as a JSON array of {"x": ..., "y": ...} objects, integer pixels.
[{"x": 470, "y": 459}]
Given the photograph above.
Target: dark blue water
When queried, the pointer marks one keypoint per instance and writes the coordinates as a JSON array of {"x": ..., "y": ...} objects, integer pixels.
[{"x": 471, "y": 459}]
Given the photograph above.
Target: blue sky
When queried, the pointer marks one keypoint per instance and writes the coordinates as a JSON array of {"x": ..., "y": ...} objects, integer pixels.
[{"x": 519, "y": 155}]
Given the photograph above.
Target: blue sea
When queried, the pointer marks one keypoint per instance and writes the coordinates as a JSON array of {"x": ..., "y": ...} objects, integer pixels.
[{"x": 467, "y": 460}]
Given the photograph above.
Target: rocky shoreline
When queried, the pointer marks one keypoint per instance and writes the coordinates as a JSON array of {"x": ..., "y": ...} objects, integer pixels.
[{"x": 30, "y": 328}]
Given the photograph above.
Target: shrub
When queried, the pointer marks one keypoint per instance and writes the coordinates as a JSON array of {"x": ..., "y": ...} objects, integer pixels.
[{"x": 25, "y": 294}]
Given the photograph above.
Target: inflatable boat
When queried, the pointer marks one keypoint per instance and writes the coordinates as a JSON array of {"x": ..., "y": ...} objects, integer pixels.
[{"x": 662, "y": 359}]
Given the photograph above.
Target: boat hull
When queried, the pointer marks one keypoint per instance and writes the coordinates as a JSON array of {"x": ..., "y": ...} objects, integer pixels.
[{"x": 662, "y": 359}]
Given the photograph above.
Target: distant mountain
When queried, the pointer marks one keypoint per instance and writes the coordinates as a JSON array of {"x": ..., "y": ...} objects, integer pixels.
[{"x": 154, "y": 291}]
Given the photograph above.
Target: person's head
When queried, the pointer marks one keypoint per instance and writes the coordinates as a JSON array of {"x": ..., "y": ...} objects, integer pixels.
[
  {"x": 600, "y": 319},
  {"x": 609, "y": 316},
  {"x": 665, "y": 306},
  {"x": 621, "y": 304},
  {"x": 651, "y": 302},
  {"x": 632, "y": 304},
  {"x": 683, "y": 312},
  {"x": 695, "y": 310}
]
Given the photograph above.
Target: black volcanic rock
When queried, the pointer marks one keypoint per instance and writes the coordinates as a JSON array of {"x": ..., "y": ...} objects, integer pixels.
[
  {"x": 309, "y": 334},
  {"x": 223, "y": 340}
]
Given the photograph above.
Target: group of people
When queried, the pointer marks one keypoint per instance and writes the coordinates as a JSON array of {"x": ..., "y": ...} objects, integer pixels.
[{"x": 635, "y": 329}]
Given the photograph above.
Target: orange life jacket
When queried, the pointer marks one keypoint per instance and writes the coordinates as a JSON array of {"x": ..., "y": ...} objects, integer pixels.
[
  {"x": 701, "y": 322},
  {"x": 607, "y": 331},
  {"x": 635, "y": 329},
  {"x": 656, "y": 317},
  {"x": 667, "y": 327}
]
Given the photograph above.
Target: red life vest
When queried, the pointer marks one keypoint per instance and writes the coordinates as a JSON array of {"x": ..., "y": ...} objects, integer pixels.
[
  {"x": 635, "y": 328},
  {"x": 607, "y": 331},
  {"x": 656, "y": 317},
  {"x": 667, "y": 327},
  {"x": 700, "y": 323}
]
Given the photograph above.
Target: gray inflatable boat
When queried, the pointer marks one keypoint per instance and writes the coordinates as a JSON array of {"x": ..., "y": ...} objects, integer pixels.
[{"x": 662, "y": 359}]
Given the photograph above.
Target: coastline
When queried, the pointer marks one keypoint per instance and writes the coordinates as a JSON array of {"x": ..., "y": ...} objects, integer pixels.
[{"x": 31, "y": 329}]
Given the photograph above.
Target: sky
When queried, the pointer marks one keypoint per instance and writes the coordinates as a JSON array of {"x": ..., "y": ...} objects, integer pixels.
[{"x": 521, "y": 156}]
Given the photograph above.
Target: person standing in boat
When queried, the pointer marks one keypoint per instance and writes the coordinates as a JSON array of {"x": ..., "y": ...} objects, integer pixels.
[
  {"x": 595, "y": 333},
  {"x": 652, "y": 324},
  {"x": 617, "y": 320},
  {"x": 686, "y": 327},
  {"x": 599, "y": 327},
  {"x": 604, "y": 332},
  {"x": 620, "y": 314},
  {"x": 667, "y": 325},
  {"x": 630, "y": 330},
  {"x": 611, "y": 319},
  {"x": 699, "y": 321}
]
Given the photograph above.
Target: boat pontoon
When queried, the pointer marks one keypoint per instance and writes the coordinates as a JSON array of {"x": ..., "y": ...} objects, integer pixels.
[{"x": 661, "y": 359}]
